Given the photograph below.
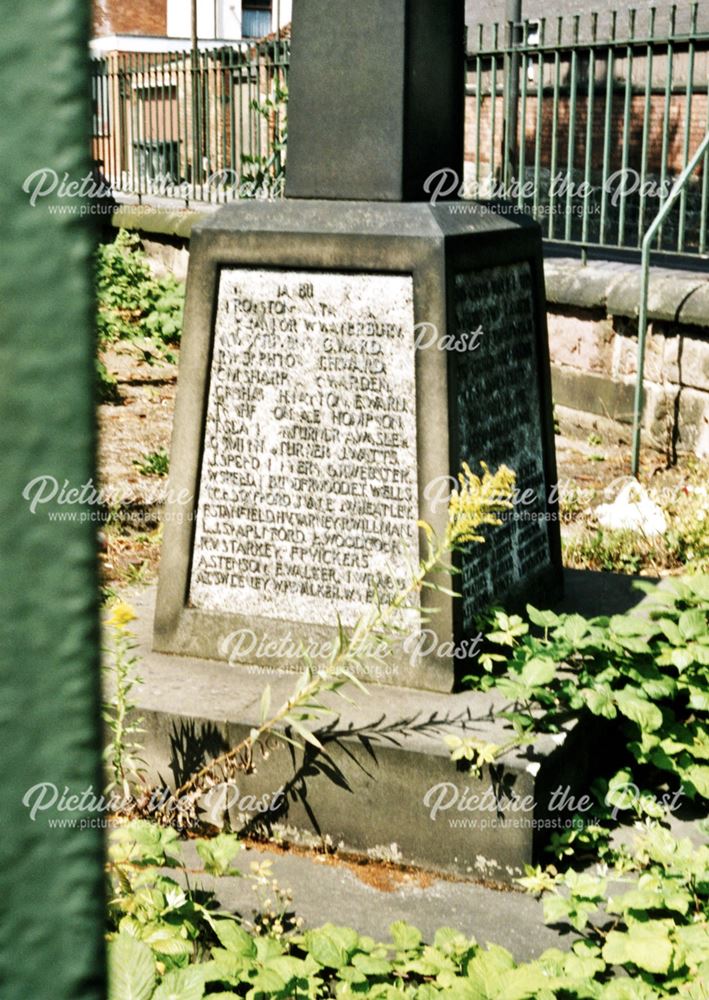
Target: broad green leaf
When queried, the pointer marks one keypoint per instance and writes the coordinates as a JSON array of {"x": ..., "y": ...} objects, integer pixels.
[
  {"x": 626, "y": 989},
  {"x": 681, "y": 658},
  {"x": 268, "y": 981},
  {"x": 372, "y": 966},
  {"x": 181, "y": 984},
  {"x": 235, "y": 939},
  {"x": 699, "y": 699},
  {"x": 218, "y": 853},
  {"x": 697, "y": 775},
  {"x": 699, "y": 585},
  {"x": 538, "y": 671},
  {"x": 646, "y": 945},
  {"x": 167, "y": 939},
  {"x": 448, "y": 940},
  {"x": 693, "y": 943},
  {"x": 267, "y": 948},
  {"x": 142, "y": 841},
  {"x": 693, "y": 624},
  {"x": 575, "y": 628},
  {"x": 351, "y": 975},
  {"x": 671, "y": 630},
  {"x": 486, "y": 973},
  {"x": 632, "y": 705},
  {"x": 629, "y": 625},
  {"x": 600, "y": 701},
  {"x": 131, "y": 969},
  {"x": 288, "y": 967},
  {"x": 622, "y": 792},
  {"x": 545, "y": 619},
  {"x": 405, "y": 936},
  {"x": 326, "y": 951}
]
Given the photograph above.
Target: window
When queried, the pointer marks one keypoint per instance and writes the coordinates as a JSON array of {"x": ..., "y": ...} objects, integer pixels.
[{"x": 256, "y": 18}]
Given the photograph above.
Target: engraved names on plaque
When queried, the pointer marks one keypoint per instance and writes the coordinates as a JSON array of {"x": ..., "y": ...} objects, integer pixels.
[
  {"x": 500, "y": 423},
  {"x": 308, "y": 493}
]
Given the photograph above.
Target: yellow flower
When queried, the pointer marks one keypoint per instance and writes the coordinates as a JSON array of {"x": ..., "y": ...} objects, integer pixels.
[
  {"x": 122, "y": 614},
  {"x": 478, "y": 501}
]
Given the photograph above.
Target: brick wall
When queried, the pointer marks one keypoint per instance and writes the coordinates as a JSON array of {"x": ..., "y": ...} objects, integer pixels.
[
  {"x": 129, "y": 17},
  {"x": 676, "y": 130}
]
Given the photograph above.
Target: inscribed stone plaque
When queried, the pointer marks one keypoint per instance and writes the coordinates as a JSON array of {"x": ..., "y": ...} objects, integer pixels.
[
  {"x": 500, "y": 423},
  {"x": 308, "y": 492}
]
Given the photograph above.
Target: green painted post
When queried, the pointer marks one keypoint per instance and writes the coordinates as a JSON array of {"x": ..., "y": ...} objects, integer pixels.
[{"x": 51, "y": 885}]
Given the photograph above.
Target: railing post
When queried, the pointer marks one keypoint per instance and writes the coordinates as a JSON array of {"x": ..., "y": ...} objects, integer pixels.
[
  {"x": 676, "y": 191},
  {"x": 513, "y": 17}
]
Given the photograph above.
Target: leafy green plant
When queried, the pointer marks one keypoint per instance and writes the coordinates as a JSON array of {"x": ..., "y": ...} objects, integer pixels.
[
  {"x": 609, "y": 551},
  {"x": 123, "y": 749},
  {"x": 133, "y": 304},
  {"x": 264, "y": 175},
  {"x": 646, "y": 672},
  {"x": 645, "y": 937},
  {"x": 153, "y": 463}
]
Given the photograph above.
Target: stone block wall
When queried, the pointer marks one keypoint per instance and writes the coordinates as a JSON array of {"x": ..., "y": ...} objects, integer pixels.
[{"x": 592, "y": 317}]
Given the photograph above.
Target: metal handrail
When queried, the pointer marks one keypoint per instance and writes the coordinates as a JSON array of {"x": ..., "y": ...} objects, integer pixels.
[{"x": 674, "y": 194}]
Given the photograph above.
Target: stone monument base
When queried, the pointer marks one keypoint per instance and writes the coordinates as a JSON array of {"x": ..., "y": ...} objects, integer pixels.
[
  {"x": 339, "y": 364},
  {"x": 384, "y": 783}
]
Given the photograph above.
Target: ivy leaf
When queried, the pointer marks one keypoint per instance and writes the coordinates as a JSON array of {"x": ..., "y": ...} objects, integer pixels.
[
  {"x": 131, "y": 969},
  {"x": 633, "y": 706}
]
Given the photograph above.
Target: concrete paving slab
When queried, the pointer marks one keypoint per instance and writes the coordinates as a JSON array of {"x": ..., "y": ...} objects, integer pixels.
[{"x": 326, "y": 890}]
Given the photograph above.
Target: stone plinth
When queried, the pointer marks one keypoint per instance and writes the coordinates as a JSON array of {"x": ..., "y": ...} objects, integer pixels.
[{"x": 338, "y": 365}]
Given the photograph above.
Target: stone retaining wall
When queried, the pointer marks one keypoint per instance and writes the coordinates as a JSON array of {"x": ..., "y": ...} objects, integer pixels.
[{"x": 592, "y": 317}]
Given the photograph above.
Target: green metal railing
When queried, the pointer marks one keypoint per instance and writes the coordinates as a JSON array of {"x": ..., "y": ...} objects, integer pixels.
[
  {"x": 193, "y": 126},
  {"x": 677, "y": 192},
  {"x": 586, "y": 121}
]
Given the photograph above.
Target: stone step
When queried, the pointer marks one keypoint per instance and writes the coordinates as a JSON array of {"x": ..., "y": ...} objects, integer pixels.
[{"x": 384, "y": 783}]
